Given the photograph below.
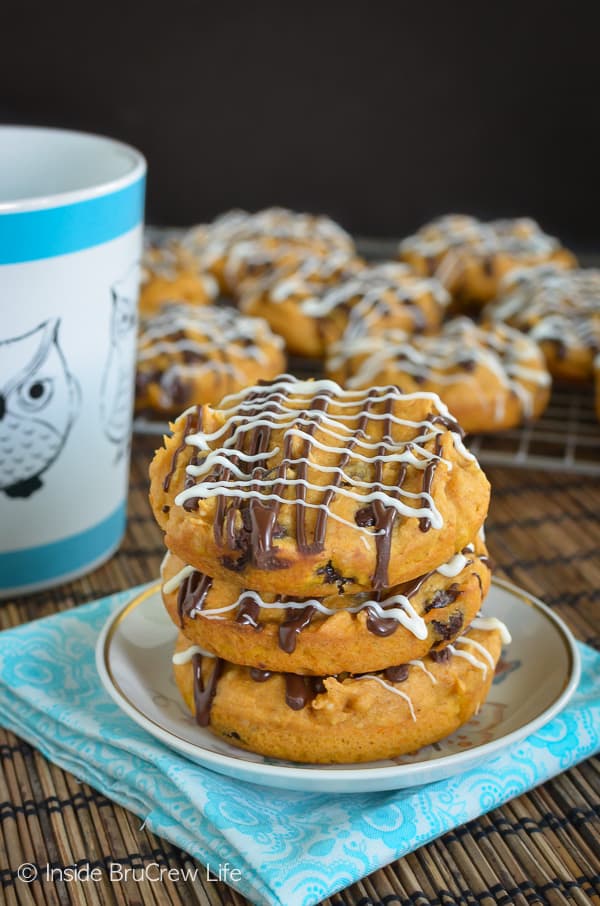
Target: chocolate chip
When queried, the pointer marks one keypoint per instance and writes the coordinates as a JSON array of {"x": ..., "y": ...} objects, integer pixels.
[
  {"x": 441, "y": 657},
  {"x": 318, "y": 686},
  {"x": 259, "y": 676},
  {"x": 271, "y": 563},
  {"x": 178, "y": 392},
  {"x": 365, "y": 516},
  {"x": 143, "y": 379},
  {"x": 236, "y": 566},
  {"x": 396, "y": 674},
  {"x": 332, "y": 577},
  {"x": 443, "y": 597},
  {"x": 448, "y": 630},
  {"x": 191, "y": 356}
]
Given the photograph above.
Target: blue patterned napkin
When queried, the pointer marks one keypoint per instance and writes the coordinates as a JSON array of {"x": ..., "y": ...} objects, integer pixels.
[{"x": 291, "y": 849}]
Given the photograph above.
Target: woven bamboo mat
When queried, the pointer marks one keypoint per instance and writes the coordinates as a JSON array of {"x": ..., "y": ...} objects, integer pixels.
[{"x": 542, "y": 848}]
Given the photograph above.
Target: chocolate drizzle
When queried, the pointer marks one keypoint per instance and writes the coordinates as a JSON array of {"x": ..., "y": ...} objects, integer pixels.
[
  {"x": 295, "y": 621},
  {"x": 318, "y": 403},
  {"x": 192, "y": 594},
  {"x": 299, "y": 690},
  {"x": 359, "y": 433},
  {"x": 380, "y": 626},
  {"x": 248, "y": 613},
  {"x": 246, "y": 527},
  {"x": 191, "y": 504},
  {"x": 384, "y": 516},
  {"x": 410, "y": 588},
  {"x": 425, "y": 521},
  {"x": 203, "y": 695},
  {"x": 297, "y": 695},
  {"x": 177, "y": 392},
  {"x": 447, "y": 421},
  {"x": 186, "y": 430}
]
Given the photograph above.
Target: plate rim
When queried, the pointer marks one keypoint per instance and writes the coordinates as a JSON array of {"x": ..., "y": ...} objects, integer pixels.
[{"x": 332, "y": 775}]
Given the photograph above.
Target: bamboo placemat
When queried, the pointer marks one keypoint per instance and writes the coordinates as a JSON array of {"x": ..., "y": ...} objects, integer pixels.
[{"x": 542, "y": 848}]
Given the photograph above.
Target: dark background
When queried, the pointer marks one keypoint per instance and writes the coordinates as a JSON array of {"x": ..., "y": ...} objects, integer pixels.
[{"x": 381, "y": 114}]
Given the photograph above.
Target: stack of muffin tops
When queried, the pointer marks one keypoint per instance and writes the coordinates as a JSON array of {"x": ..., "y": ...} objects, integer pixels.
[{"x": 326, "y": 568}]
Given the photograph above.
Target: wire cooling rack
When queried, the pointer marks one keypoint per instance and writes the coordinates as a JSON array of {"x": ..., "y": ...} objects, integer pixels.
[{"x": 566, "y": 438}]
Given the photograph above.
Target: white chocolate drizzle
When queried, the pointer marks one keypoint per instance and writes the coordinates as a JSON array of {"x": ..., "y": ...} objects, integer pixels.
[
  {"x": 189, "y": 341},
  {"x": 279, "y": 470},
  {"x": 490, "y": 624},
  {"x": 552, "y": 304},
  {"x": 184, "y": 657},
  {"x": 175, "y": 581},
  {"x": 456, "y": 564},
  {"x": 520, "y": 238},
  {"x": 285, "y": 268},
  {"x": 166, "y": 262},
  {"x": 368, "y": 289},
  {"x": 390, "y": 688},
  {"x": 404, "y": 613},
  {"x": 395, "y": 607},
  {"x": 421, "y": 666},
  {"x": 272, "y": 411},
  {"x": 513, "y": 360},
  {"x": 210, "y": 242}
]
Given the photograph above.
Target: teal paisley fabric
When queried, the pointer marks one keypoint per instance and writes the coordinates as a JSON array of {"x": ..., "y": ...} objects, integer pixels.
[{"x": 292, "y": 849}]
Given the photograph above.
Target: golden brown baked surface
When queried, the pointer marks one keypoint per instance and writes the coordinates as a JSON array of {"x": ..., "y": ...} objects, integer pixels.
[
  {"x": 342, "y": 719},
  {"x": 471, "y": 257},
  {"x": 190, "y": 355},
  {"x": 298, "y": 486},
  {"x": 259, "y": 263},
  {"x": 491, "y": 378},
  {"x": 560, "y": 310},
  {"x": 168, "y": 274},
  {"x": 312, "y": 307},
  {"x": 333, "y": 634},
  {"x": 215, "y": 246}
]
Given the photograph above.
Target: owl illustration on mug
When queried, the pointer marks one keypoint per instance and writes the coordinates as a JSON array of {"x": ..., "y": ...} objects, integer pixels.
[
  {"x": 118, "y": 380},
  {"x": 39, "y": 400}
]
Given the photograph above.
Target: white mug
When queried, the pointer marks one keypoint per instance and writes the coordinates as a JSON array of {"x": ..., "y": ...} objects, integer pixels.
[{"x": 71, "y": 222}]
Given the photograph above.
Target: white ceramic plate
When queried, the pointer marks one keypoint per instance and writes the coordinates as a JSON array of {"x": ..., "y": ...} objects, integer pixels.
[{"x": 536, "y": 676}]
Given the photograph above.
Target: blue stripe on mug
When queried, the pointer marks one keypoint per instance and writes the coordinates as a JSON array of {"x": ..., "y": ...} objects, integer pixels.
[
  {"x": 34, "y": 565},
  {"x": 30, "y": 235}
]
